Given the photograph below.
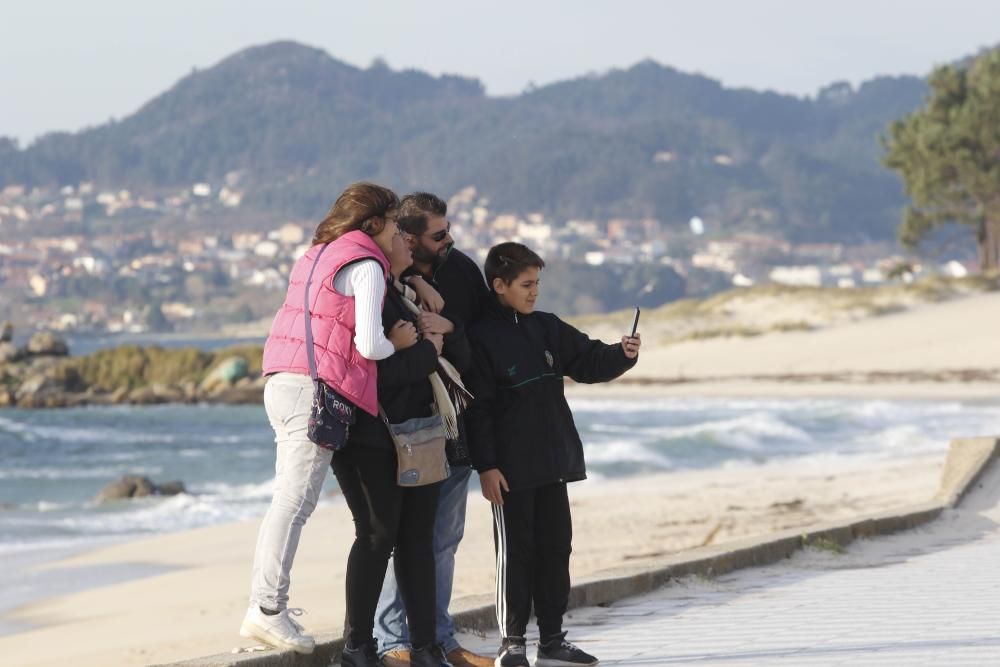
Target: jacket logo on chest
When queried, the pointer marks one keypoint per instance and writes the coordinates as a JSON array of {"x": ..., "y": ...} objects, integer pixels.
[
  {"x": 512, "y": 371},
  {"x": 548, "y": 358}
]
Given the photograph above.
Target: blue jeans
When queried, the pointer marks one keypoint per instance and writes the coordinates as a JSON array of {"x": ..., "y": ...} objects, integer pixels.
[{"x": 391, "y": 629}]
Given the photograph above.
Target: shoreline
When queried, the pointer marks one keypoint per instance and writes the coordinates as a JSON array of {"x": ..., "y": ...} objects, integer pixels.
[
  {"x": 943, "y": 350},
  {"x": 847, "y": 386},
  {"x": 193, "y": 604},
  {"x": 977, "y": 392}
]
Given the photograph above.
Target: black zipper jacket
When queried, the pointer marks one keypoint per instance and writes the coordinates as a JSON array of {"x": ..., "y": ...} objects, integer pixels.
[
  {"x": 462, "y": 286},
  {"x": 404, "y": 390},
  {"x": 519, "y": 420}
]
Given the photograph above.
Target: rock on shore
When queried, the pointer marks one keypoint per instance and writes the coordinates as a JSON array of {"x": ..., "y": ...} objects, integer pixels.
[
  {"x": 135, "y": 486},
  {"x": 42, "y": 375}
]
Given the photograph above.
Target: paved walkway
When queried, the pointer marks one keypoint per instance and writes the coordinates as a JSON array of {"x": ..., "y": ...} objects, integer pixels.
[{"x": 926, "y": 597}]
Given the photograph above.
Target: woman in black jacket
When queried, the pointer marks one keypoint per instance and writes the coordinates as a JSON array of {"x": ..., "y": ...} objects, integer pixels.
[{"x": 388, "y": 516}]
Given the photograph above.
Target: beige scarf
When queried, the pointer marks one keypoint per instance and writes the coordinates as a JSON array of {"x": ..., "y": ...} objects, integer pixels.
[{"x": 450, "y": 395}]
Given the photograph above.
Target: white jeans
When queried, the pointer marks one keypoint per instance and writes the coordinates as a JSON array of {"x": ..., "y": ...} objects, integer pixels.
[{"x": 300, "y": 469}]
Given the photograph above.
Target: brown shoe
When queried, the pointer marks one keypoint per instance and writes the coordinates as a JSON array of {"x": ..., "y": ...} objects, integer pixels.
[
  {"x": 398, "y": 658},
  {"x": 461, "y": 657}
]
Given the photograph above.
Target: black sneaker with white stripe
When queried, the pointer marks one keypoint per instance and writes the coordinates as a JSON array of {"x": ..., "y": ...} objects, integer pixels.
[
  {"x": 512, "y": 653},
  {"x": 557, "y": 652}
]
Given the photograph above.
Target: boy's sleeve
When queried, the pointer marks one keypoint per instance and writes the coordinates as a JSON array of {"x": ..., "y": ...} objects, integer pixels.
[
  {"x": 589, "y": 361},
  {"x": 479, "y": 416}
]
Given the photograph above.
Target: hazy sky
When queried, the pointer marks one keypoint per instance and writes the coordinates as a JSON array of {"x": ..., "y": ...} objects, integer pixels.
[{"x": 65, "y": 65}]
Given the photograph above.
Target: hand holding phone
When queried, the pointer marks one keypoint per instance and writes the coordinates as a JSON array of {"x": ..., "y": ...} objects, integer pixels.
[{"x": 631, "y": 343}]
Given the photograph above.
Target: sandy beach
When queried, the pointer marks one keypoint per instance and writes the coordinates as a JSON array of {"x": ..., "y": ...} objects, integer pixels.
[
  {"x": 943, "y": 350},
  {"x": 188, "y": 590},
  {"x": 951, "y": 336},
  {"x": 192, "y": 605}
]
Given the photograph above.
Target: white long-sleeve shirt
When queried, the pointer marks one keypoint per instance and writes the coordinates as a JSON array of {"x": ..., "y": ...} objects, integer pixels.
[{"x": 365, "y": 281}]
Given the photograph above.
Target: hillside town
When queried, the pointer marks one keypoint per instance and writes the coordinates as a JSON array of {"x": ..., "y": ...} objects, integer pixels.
[{"x": 128, "y": 245}]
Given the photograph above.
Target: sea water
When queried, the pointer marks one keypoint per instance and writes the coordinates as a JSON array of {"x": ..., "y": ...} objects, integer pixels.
[{"x": 54, "y": 462}]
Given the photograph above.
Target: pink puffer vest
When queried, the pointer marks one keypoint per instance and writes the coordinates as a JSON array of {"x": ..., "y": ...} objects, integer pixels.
[{"x": 338, "y": 361}]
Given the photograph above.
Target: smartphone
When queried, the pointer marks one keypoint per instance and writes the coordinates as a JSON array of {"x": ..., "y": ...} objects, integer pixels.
[{"x": 635, "y": 323}]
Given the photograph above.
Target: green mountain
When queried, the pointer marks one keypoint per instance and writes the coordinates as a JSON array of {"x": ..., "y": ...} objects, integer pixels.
[{"x": 644, "y": 141}]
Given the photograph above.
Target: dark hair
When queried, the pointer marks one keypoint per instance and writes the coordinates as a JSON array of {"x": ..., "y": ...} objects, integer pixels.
[
  {"x": 416, "y": 207},
  {"x": 363, "y": 206},
  {"x": 507, "y": 261}
]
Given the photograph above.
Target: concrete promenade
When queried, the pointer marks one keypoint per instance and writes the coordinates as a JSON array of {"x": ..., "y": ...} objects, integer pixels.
[
  {"x": 920, "y": 586},
  {"x": 929, "y": 596}
]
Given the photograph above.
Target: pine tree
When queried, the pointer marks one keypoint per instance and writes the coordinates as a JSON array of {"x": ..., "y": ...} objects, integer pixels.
[{"x": 948, "y": 154}]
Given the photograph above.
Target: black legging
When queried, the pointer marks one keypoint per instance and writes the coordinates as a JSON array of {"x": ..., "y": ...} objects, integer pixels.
[{"x": 386, "y": 516}]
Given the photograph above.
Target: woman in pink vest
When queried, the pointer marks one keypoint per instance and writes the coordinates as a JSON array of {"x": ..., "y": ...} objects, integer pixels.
[{"x": 346, "y": 295}]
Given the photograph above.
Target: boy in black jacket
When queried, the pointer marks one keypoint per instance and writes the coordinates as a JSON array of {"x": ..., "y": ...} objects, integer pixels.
[{"x": 526, "y": 448}]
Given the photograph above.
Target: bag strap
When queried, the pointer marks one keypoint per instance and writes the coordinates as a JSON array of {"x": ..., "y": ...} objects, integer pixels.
[
  {"x": 388, "y": 426},
  {"x": 313, "y": 373},
  {"x": 385, "y": 419}
]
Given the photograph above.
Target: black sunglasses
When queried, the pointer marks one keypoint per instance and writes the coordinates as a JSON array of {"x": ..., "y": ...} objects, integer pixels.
[{"x": 437, "y": 237}]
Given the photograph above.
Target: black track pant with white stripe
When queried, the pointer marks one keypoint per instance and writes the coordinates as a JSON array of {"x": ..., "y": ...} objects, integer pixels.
[{"x": 532, "y": 533}]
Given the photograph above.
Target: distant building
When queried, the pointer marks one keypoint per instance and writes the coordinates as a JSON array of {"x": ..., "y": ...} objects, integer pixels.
[
  {"x": 714, "y": 262},
  {"x": 268, "y": 278},
  {"x": 954, "y": 269},
  {"x": 534, "y": 233},
  {"x": 190, "y": 247},
  {"x": 39, "y": 285},
  {"x": 176, "y": 310},
  {"x": 245, "y": 240},
  {"x": 873, "y": 276},
  {"x": 464, "y": 197},
  {"x": 505, "y": 224},
  {"x": 798, "y": 276},
  {"x": 91, "y": 265},
  {"x": 268, "y": 249},
  {"x": 230, "y": 198},
  {"x": 291, "y": 234},
  {"x": 479, "y": 215},
  {"x": 587, "y": 229}
]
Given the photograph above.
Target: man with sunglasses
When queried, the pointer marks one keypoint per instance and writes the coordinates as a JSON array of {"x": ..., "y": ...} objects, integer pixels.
[{"x": 459, "y": 299}]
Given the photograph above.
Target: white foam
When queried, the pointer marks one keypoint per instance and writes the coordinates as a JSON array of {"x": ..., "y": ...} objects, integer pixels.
[
  {"x": 255, "y": 453},
  {"x": 100, "y": 472},
  {"x": 620, "y": 436},
  {"x": 154, "y": 515},
  {"x": 251, "y": 491},
  {"x": 82, "y": 434},
  {"x": 906, "y": 437},
  {"x": 224, "y": 439},
  {"x": 42, "y": 545},
  {"x": 746, "y": 432},
  {"x": 49, "y": 506},
  {"x": 192, "y": 453},
  {"x": 625, "y": 451}
]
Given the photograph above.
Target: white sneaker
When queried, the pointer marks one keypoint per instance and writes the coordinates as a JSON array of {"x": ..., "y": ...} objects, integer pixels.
[{"x": 280, "y": 630}]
